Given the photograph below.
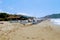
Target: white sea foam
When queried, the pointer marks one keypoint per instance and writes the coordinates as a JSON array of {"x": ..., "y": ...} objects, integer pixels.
[{"x": 55, "y": 21}]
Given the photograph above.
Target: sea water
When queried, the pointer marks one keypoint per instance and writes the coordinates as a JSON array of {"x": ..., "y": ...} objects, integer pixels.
[{"x": 56, "y": 21}]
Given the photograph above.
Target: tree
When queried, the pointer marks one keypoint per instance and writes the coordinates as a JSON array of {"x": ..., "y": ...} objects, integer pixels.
[{"x": 3, "y": 15}]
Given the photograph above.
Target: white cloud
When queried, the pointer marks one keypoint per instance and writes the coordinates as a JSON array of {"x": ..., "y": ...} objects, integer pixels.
[
  {"x": 23, "y": 14},
  {"x": 1, "y": 10},
  {"x": 11, "y": 8}
]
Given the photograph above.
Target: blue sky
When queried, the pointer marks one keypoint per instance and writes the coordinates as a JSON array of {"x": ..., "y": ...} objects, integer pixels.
[{"x": 36, "y": 8}]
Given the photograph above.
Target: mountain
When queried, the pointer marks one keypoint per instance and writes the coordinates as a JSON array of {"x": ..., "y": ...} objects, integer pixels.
[{"x": 53, "y": 16}]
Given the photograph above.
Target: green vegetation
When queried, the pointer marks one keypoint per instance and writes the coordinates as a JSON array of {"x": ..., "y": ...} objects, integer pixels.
[
  {"x": 53, "y": 16},
  {"x": 7, "y": 17},
  {"x": 3, "y": 16}
]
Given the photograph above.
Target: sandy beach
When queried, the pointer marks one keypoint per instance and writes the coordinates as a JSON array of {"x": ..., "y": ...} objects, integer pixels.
[{"x": 42, "y": 31}]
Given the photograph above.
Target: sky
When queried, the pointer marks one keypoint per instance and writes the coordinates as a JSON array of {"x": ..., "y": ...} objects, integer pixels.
[{"x": 37, "y": 8}]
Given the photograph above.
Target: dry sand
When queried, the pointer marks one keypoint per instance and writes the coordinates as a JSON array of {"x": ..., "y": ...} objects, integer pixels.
[{"x": 42, "y": 31}]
